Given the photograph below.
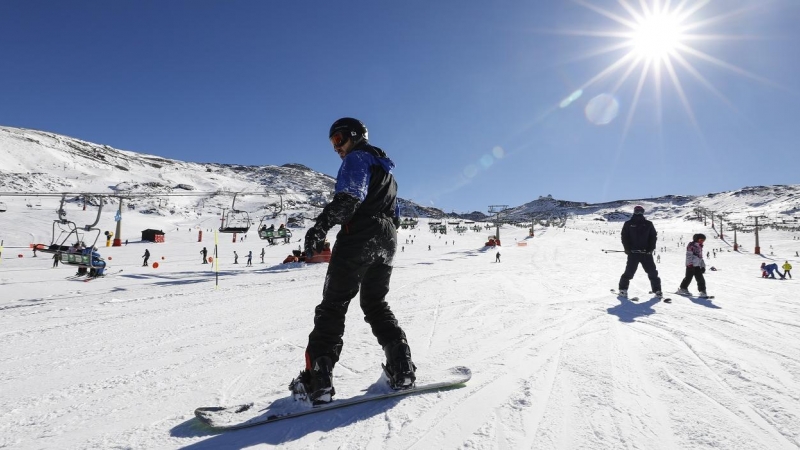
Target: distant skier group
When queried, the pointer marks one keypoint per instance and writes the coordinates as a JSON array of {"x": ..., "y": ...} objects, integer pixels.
[{"x": 769, "y": 270}]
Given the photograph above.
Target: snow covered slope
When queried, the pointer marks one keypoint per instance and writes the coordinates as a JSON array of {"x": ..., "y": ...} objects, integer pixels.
[{"x": 558, "y": 362}]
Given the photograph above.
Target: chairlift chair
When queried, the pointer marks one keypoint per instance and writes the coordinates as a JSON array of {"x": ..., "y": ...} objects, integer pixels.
[
  {"x": 265, "y": 232},
  {"x": 65, "y": 233},
  {"x": 234, "y": 220},
  {"x": 285, "y": 234}
]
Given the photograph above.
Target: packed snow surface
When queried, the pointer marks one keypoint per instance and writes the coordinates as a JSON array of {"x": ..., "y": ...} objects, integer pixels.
[{"x": 558, "y": 361}]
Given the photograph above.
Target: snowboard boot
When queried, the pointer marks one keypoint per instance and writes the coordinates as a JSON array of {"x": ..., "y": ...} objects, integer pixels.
[
  {"x": 399, "y": 368},
  {"x": 623, "y": 292},
  {"x": 315, "y": 384},
  {"x": 658, "y": 294},
  {"x": 702, "y": 294},
  {"x": 682, "y": 291}
]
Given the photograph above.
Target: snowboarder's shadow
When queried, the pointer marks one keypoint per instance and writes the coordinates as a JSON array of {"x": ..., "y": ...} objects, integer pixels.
[
  {"x": 279, "y": 432},
  {"x": 628, "y": 311}
]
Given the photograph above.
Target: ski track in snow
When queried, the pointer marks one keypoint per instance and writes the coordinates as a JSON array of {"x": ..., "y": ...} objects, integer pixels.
[{"x": 557, "y": 362}]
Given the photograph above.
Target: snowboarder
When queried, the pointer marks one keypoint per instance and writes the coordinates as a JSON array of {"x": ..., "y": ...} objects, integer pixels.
[
  {"x": 786, "y": 269},
  {"x": 695, "y": 266},
  {"x": 204, "y": 252},
  {"x": 235, "y": 257},
  {"x": 262, "y": 255},
  {"x": 365, "y": 204},
  {"x": 146, "y": 256},
  {"x": 250, "y": 258},
  {"x": 639, "y": 240},
  {"x": 497, "y": 257},
  {"x": 56, "y": 258}
]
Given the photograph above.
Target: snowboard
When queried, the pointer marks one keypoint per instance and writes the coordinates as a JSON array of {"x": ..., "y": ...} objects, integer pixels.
[{"x": 249, "y": 415}]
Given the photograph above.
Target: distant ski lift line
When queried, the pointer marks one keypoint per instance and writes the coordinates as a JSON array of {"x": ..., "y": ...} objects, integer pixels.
[{"x": 136, "y": 195}]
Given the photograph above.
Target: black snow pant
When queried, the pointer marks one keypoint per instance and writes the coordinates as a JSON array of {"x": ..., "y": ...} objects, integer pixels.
[
  {"x": 646, "y": 260},
  {"x": 697, "y": 274},
  {"x": 361, "y": 258}
]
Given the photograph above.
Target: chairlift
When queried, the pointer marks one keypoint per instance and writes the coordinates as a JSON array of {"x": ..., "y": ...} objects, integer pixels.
[
  {"x": 264, "y": 232},
  {"x": 234, "y": 220},
  {"x": 69, "y": 241},
  {"x": 284, "y": 233}
]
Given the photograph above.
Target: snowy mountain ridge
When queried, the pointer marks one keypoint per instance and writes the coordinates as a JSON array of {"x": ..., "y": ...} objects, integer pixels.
[{"x": 42, "y": 162}]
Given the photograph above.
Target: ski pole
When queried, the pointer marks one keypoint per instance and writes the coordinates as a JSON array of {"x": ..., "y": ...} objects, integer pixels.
[{"x": 612, "y": 251}]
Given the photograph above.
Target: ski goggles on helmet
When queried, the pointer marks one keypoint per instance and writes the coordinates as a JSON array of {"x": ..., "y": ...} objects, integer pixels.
[{"x": 338, "y": 139}]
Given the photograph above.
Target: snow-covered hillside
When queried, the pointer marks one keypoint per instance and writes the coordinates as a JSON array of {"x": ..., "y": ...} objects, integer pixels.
[{"x": 558, "y": 362}]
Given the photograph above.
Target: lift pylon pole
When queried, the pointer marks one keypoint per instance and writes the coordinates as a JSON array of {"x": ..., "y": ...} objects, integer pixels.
[{"x": 118, "y": 232}]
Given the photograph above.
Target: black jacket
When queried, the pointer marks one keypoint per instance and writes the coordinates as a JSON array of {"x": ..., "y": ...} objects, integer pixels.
[
  {"x": 639, "y": 234},
  {"x": 365, "y": 190}
]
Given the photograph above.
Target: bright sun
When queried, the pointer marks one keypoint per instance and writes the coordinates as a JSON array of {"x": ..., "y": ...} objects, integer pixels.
[
  {"x": 656, "y": 36},
  {"x": 658, "y": 39}
]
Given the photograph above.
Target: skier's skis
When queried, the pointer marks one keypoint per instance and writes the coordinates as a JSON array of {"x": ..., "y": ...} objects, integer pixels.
[
  {"x": 633, "y": 299},
  {"x": 664, "y": 299},
  {"x": 109, "y": 274},
  {"x": 249, "y": 415},
  {"x": 707, "y": 297}
]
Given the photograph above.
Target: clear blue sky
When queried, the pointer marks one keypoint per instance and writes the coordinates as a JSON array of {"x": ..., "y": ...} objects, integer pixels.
[{"x": 467, "y": 97}]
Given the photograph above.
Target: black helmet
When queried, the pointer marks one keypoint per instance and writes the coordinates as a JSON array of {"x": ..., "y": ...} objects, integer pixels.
[
  {"x": 350, "y": 129},
  {"x": 698, "y": 236}
]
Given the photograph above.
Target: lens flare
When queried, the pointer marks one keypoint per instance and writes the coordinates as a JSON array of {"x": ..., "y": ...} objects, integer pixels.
[
  {"x": 602, "y": 109},
  {"x": 470, "y": 171}
]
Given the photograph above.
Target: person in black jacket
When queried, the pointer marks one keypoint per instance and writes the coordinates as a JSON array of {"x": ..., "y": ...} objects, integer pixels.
[
  {"x": 365, "y": 205},
  {"x": 639, "y": 241}
]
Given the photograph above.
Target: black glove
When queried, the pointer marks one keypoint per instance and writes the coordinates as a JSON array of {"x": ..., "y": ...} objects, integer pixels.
[
  {"x": 702, "y": 270},
  {"x": 315, "y": 240}
]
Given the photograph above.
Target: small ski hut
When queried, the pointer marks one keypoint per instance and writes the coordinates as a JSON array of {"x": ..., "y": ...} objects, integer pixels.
[{"x": 153, "y": 235}]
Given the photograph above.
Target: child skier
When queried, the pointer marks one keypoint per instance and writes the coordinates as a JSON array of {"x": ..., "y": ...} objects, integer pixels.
[{"x": 695, "y": 266}]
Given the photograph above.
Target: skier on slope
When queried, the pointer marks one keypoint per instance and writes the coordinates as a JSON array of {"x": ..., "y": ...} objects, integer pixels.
[
  {"x": 695, "y": 266},
  {"x": 204, "y": 252},
  {"x": 365, "y": 204},
  {"x": 787, "y": 269},
  {"x": 771, "y": 269},
  {"x": 639, "y": 241}
]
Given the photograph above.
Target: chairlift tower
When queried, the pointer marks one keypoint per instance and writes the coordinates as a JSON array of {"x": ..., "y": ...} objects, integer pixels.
[
  {"x": 757, "y": 250},
  {"x": 735, "y": 226},
  {"x": 722, "y": 216},
  {"x": 497, "y": 210}
]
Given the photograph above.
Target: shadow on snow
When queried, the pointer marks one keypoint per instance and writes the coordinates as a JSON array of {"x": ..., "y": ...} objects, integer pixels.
[{"x": 628, "y": 311}]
